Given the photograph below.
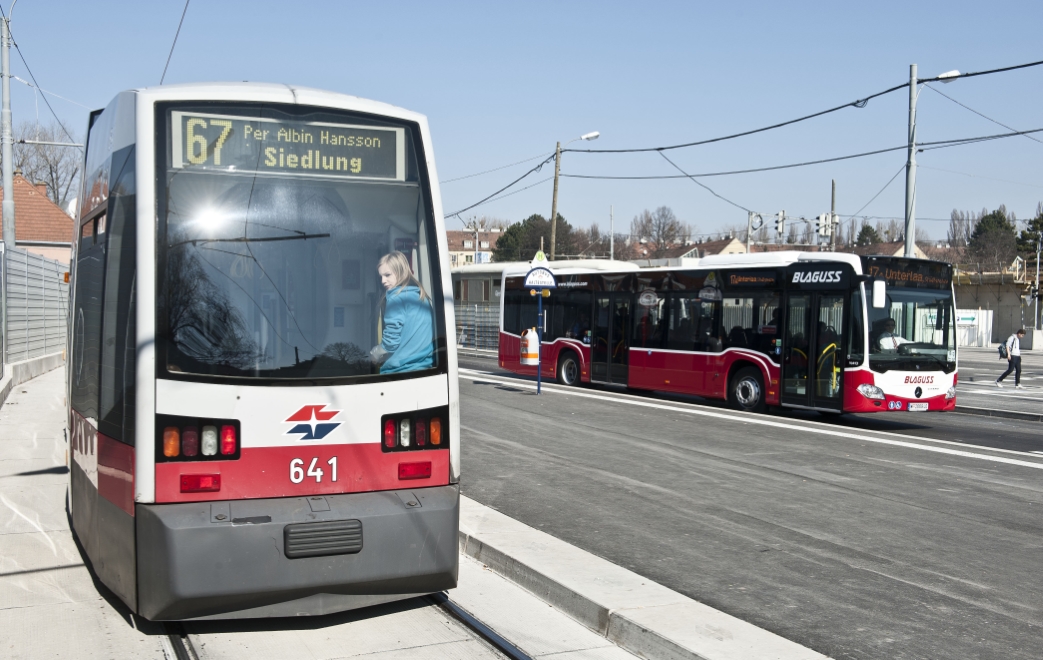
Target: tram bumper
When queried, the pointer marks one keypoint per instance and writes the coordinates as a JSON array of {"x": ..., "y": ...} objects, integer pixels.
[{"x": 221, "y": 560}]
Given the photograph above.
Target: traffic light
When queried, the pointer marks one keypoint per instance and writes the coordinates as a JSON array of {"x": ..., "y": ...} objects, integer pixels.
[
  {"x": 824, "y": 225},
  {"x": 780, "y": 223}
]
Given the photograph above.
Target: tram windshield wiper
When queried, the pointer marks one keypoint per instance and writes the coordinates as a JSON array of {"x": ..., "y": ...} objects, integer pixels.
[{"x": 247, "y": 239}]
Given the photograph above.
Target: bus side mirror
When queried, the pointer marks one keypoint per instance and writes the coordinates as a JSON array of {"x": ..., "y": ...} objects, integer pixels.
[{"x": 879, "y": 294}]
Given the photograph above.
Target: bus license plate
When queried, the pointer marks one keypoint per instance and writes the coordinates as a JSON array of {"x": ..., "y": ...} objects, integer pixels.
[{"x": 916, "y": 407}]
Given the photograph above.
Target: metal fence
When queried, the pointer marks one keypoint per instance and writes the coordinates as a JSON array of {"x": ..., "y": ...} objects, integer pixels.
[
  {"x": 478, "y": 325},
  {"x": 37, "y": 306}
]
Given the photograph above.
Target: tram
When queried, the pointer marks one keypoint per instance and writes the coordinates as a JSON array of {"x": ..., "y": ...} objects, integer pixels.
[
  {"x": 828, "y": 332},
  {"x": 263, "y": 407}
]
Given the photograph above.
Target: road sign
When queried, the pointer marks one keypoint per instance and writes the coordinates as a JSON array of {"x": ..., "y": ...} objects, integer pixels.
[{"x": 540, "y": 278}]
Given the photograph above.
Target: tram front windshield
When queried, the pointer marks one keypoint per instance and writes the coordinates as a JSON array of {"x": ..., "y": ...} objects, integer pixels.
[
  {"x": 915, "y": 330},
  {"x": 272, "y": 226}
]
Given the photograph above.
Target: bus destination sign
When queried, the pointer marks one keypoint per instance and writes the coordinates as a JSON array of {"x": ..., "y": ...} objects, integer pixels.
[
  {"x": 269, "y": 146},
  {"x": 910, "y": 273}
]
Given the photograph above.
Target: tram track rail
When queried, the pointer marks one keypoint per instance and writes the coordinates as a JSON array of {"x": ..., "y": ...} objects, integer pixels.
[{"x": 180, "y": 645}]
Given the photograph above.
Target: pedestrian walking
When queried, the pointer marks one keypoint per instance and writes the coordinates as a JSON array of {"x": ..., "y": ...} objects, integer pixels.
[{"x": 1013, "y": 345}]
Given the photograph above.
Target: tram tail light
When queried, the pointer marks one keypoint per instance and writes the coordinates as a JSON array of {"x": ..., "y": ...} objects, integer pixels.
[
  {"x": 415, "y": 431},
  {"x": 209, "y": 440},
  {"x": 404, "y": 435},
  {"x": 414, "y": 470},
  {"x": 171, "y": 441},
  {"x": 200, "y": 483},
  {"x": 181, "y": 439},
  {"x": 190, "y": 441},
  {"x": 228, "y": 440}
]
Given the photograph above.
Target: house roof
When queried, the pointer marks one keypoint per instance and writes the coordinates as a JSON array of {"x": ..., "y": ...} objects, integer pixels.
[
  {"x": 456, "y": 237},
  {"x": 36, "y": 217}
]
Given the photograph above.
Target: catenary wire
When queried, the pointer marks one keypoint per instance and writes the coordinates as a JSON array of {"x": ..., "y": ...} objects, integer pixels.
[
  {"x": 509, "y": 185},
  {"x": 889, "y": 181},
  {"x": 18, "y": 49},
  {"x": 495, "y": 169},
  {"x": 171, "y": 54},
  {"x": 978, "y": 176},
  {"x": 57, "y": 96},
  {"x": 983, "y": 116},
  {"x": 700, "y": 183}
]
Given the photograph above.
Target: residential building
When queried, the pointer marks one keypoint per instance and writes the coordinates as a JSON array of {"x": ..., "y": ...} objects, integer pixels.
[
  {"x": 471, "y": 247},
  {"x": 40, "y": 225}
]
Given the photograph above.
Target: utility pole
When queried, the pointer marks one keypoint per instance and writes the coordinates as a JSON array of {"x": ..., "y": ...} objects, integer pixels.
[
  {"x": 554, "y": 202},
  {"x": 910, "y": 171},
  {"x": 833, "y": 219},
  {"x": 1039, "y": 248},
  {"x": 5, "y": 120},
  {"x": 612, "y": 239}
]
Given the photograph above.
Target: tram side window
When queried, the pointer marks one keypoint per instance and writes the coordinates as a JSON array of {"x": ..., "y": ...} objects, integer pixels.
[
  {"x": 119, "y": 342},
  {"x": 87, "y": 317}
]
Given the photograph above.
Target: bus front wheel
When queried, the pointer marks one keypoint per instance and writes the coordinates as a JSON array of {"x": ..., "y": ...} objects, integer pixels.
[
  {"x": 568, "y": 369},
  {"x": 747, "y": 390}
]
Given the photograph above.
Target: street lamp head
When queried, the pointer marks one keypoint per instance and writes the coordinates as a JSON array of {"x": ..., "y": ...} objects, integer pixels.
[
  {"x": 590, "y": 136},
  {"x": 949, "y": 76}
]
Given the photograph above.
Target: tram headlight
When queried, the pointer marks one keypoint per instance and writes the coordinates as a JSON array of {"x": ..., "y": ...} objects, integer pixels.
[
  {"x": 951, "y": 393},
  {"x": 209, "y": 440},
  {"x": 871, "y": 392}
]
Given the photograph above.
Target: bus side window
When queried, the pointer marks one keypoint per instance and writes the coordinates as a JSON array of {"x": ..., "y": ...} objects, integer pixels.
[{"x": 855, "y": 345}]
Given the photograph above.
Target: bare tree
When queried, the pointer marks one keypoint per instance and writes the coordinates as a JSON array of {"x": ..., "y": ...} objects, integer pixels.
[
  {"x": 961, "y": 227},
  {"x": 486, "y": 223},
  {"x": 597, "y": 244},
  {"x": 57, "y": 167},
  {"x": 662, "y": 229}
]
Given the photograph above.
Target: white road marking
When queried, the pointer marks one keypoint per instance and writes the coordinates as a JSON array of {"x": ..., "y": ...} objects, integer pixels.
[{"x": 754, "y": 418}]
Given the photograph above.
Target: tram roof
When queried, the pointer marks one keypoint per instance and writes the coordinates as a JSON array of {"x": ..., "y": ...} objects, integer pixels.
[
  {"x": 273, "y": 93},
  {"x": 562, "y": 266}
]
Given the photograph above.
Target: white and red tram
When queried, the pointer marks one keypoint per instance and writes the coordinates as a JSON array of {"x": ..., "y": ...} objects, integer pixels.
[{"x": 238, "y": 448}]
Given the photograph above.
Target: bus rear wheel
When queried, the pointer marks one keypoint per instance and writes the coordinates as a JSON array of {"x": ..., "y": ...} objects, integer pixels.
[
  {"x": 568, "y": 369},
  {"x": 746, "y": 392}
]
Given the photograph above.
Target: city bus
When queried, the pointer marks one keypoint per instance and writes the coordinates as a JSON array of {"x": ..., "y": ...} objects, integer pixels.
[
  {"x": 262, "y": 404},
  {"x": 829, "y": 332}
]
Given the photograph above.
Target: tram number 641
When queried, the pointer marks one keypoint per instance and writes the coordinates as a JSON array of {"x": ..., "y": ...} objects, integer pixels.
[{"x": 297, "y": 472}]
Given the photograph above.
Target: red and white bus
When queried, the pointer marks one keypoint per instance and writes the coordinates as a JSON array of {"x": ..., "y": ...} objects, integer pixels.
[
  {"x": 829, "y": 332},
  {"x": 240, "y": 447}
]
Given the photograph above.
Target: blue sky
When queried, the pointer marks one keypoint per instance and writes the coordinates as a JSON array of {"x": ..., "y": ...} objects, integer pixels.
[{"x": 501, "y": 82}]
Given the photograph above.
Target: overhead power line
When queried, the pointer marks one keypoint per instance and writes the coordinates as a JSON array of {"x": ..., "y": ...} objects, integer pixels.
[
  {"x": 495, "y": 169},
  {"x": 889, "y": 181},
  {"x": 18, "y": 49},
  {"x": 509, "y": 185},
  {"x": 929, "y": 145},
  {"x": 860, "y": 103},
  {"x": 700, "y": 183},
  {"x": 983, "y": 116},
  {"x": 171, "y": 54}
]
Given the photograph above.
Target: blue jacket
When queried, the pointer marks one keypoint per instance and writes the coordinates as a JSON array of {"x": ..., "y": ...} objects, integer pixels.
[{"x": 408, "y": 331}]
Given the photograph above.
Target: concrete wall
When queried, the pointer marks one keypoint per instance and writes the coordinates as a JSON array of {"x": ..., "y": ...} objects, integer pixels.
[
  {"x": 16, "y": 373},
  {"x": 1005, "y": 300}
]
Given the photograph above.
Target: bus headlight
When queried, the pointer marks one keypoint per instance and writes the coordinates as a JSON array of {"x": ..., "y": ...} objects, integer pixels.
[
  {"x": 951, "y": 393},
  {"x": 871, "y": 391}
]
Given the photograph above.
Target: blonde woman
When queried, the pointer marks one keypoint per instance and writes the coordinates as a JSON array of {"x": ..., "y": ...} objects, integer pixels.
[{"x": 407, "y": 341}]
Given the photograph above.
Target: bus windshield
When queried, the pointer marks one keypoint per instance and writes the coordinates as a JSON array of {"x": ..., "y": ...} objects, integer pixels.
[
  {"x": 915, "y": 330},
  {"x": 272, "y": 227}
]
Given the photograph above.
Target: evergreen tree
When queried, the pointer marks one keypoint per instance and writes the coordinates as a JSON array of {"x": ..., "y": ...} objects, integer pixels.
[
  {"x": 521, "y": 241},
  {"x": 993, "y": 244},
  {"x": 868, "y": 235},
  {"x": 1029, "y": 235}
]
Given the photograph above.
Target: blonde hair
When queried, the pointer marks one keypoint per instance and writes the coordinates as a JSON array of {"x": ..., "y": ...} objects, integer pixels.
[{"x": 399, "y": 267}]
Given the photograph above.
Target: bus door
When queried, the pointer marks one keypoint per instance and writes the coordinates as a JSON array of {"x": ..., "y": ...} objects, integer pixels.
[
  {"x": 812, "y": 348},
  {"x": 610, "y": 342}
]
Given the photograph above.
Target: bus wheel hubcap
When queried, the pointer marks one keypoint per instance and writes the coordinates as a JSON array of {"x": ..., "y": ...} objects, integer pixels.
[
  {"x": 747, "y": 392},
  {"x": 570, "y": 368}
]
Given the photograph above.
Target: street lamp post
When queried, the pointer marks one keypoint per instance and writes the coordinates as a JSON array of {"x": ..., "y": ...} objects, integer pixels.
[
  {"x": 910, "y": 165},
  {"x": 554, "y": 203}
]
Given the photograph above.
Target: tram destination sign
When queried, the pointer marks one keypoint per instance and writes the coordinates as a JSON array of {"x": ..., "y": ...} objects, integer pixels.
[{"x": 230, "y": 143}]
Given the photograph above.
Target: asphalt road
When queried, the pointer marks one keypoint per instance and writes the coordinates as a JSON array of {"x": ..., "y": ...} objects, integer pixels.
[
  {"x": 896, "y": 536},
  {"x": 979, "y": 369}
]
